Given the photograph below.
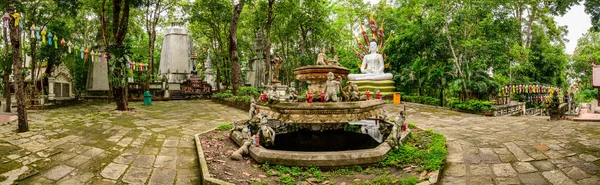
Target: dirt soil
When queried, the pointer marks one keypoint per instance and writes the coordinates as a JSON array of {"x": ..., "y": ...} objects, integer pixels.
[{"x": 218, "y": 147}]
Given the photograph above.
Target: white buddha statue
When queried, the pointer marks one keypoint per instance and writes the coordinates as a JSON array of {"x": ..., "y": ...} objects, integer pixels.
[{"x": 372, "y": 66}]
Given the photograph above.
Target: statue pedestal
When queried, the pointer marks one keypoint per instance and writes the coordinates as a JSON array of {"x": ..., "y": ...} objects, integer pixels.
[
  {"x": 280, "y": 89},
  {"x": 385, "y": 87}
]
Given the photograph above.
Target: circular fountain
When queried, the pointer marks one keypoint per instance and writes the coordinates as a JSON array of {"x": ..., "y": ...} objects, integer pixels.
[{"x": 331, "y": 133}]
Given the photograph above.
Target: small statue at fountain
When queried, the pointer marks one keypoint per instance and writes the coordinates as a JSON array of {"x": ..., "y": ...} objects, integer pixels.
[
  {"x": 266, "y": 133},
  {"x": 332, "y": 87},
  {"x": 322, "y": 57},
  {"x": 335, "y": 61},
  {"x": 272, "y": 95},
  {"x": 252, "y": 110},
  {"x": 309, "y": 96},
  {"x": 276, "y": 66},
  {"x": 396, "y": 134},
  {"x": 351, "y": 92},
  {"x": 293, "y": 94}
]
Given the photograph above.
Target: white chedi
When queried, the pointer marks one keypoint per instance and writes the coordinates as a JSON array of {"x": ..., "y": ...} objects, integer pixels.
[{"x": 372, "y": 66}]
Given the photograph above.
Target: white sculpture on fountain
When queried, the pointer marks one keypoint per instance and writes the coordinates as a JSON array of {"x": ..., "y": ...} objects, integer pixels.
[{"x": 372, "y": 66}]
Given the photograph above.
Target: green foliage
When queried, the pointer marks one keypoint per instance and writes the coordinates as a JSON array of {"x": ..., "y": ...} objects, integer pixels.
[
  {"x": 427, "y": 149},
  {"x": 351, "y": 128},
  {"x": 287, "y": 180},
  {"x": 248, "y": 91},
  {"x": 224, "y": 127},
  {"x": 412, "y": 125},
  {"x": 586, "y": 95},
  {"x": 422, "y": 100},
  {"x": 222, "y": 95},
  {"x": 392, "y": 180},
  {"x": 118, "y": 70},
  {"x": 473, "y": 106}
]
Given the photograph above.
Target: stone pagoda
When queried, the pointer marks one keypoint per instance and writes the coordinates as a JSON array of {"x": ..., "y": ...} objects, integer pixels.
[{"x": 175, "y": 62}]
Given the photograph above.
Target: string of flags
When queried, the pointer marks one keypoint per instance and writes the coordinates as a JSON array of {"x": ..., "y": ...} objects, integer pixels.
[
  {"x": 532, "y": 92},
  {"x": 138, "y": 66},
  {"x": 83, "y": 52}
]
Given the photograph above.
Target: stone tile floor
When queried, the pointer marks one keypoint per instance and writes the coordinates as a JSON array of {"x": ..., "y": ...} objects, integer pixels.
[
  {"x": 512, "y": 150},
  {"x": 91, "y": 144}
]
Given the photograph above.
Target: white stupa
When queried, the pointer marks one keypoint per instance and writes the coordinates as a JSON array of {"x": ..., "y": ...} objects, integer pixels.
[{"x": 175, "y": 62}]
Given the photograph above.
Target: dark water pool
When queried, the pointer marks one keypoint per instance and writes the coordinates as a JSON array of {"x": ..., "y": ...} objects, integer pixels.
[{"x": 323, "y": 141}]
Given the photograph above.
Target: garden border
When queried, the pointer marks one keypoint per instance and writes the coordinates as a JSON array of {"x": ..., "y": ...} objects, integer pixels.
[{"x": 206, "y": 179}]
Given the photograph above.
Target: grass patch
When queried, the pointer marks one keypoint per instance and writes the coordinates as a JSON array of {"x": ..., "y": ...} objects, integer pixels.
[
  {"x": 224, "y": 127},
  {"x": 412, "y": 125},
  {"x": 287, "y": 180},
  {"x": 11, "y": 165},
  {"x": 392, "y": 179},
  {"x": 426, "y": 149},
  {"x": 3, "y": 178}
]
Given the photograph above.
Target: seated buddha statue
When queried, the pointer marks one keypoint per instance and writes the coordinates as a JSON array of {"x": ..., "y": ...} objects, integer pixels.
[{"x": 372, "y": 66}]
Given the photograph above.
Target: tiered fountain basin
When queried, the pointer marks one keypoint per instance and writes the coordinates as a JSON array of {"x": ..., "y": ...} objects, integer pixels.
[
  {"x": 314, "y": 134},
  {"x": 329, "y": 158},
  {"x": 386, "y": 87},
  {"x": 316, "y": 75},
  {"x": 321, "y": 113}
]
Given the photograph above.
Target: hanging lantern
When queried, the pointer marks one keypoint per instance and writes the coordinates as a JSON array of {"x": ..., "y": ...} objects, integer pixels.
[
  {"x": 50, "y": 36},
  {"x": 86, "y": 52},
  {"x": 105, "y": 57},
  {"x": 56, "y": 42},
  {"x": 69, "y": 44},
  {"x": 62, "y": 42},
  {"x": 32, "y": 28},
  {"x": 17, "y": 17},
  {"x": 5, "y": 20},
  {"x": 21, "y": 24},
  {"x": 37, "y": 33},
  {"x": 99, "y": 56},
  {"x": 92, "y": 55},
  {"x": 81, "y": 52},
  {"x": 44, "y": 35},
  {"x": 76, "y": 50}
]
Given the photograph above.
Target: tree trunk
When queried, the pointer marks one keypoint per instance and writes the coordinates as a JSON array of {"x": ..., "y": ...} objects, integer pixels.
[
  {"x": 236, "y": 72},
  {"x": 268, "y": 41},
  {"x": 33, "y": 72},
  {"x": 303, "y": 41},
  {"x": 15, "y": 40},
  {"x": 7, "y": 84},
  {"x": 119, "y": 28},
  {"x": 149, "y": 73}
]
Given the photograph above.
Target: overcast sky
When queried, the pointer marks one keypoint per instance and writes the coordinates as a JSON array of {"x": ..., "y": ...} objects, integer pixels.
[{"x": 576, "y": 20}]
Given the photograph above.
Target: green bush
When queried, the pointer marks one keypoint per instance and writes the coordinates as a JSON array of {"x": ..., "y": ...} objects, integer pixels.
[
  {"x": 242, "y": 98},
  {"x": 422, "y": 100},
  {"x": 222, "y": 95},
  {"x": 473, "y": 106},
  {"x": 248, "y": 91},
  {"x": 224, "y": 127},
  {"x": 586, "y": 95}
]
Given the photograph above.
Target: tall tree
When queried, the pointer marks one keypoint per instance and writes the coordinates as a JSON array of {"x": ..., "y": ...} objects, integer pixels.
[
  {"x": 118, "y": 52},
  {"x": 154, "y": 9},
  {"x": 6, "y": 73},
  {"x": 15, "y": 41},
  {"x": 268, "y": 41},
  {"x": 236, "y": 73}
]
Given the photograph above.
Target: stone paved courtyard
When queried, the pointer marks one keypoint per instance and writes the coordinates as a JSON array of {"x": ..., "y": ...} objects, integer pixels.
[
  {"x": 91, "y": 144},
  {"x": 513, "y": 150}
]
